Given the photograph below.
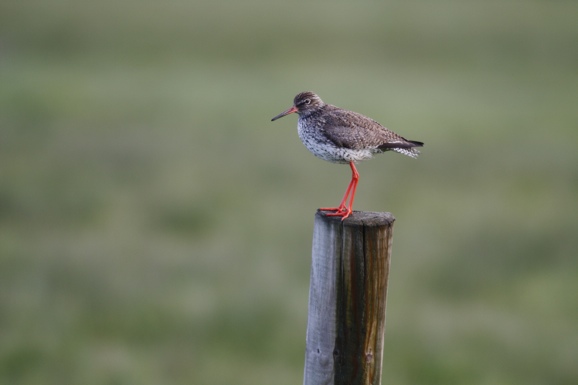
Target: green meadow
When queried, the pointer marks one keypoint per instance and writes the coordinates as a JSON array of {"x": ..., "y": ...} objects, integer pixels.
[{"x": 155, "y": 225}]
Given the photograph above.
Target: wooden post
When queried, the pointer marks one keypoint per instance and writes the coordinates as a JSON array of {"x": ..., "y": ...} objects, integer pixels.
[{"x": 346, "y": 323}]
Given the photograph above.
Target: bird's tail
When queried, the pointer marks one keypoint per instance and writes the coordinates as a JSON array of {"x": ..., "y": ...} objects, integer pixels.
[
  {"x": 411, "y": 152},
  {"x": 407, "y": 147}
]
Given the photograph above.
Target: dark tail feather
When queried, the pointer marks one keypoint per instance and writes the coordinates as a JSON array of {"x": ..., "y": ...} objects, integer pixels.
[{"x": 406, "y": 144}]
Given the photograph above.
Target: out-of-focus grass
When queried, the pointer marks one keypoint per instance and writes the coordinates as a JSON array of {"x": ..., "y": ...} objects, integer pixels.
[{"x": 155, "y": 227}]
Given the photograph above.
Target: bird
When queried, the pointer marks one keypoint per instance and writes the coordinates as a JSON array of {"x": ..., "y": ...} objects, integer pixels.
[{"x": 342, "y": 136}]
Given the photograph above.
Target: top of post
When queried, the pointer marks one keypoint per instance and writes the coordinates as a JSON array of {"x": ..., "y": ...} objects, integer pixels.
[{"x": 363, "y": 218}]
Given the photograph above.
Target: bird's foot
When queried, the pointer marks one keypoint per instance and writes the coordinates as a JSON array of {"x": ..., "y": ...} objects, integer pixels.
[
  {"x": 331, "y": 208},
  {"x": 342, "y": 212}
]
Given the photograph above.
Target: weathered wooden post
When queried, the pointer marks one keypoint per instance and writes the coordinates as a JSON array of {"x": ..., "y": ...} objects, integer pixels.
[{"x": 346, "y": 323}]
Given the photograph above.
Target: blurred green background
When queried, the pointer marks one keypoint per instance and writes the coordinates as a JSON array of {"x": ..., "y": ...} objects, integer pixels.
[{"x": 155, "y": 226}]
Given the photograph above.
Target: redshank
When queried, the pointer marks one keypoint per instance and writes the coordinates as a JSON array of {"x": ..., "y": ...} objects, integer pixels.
[{"x": 341, "y": 136}]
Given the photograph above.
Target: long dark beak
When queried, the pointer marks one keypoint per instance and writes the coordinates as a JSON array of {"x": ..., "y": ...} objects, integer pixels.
[{"x": 282, "y": 114}]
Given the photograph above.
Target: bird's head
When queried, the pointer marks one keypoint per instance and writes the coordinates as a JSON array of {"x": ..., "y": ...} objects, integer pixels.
[{"x": 304, "y": 104}]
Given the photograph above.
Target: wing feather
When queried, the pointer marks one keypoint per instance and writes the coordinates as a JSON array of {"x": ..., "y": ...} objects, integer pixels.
[{"x": 355, "y": 131}]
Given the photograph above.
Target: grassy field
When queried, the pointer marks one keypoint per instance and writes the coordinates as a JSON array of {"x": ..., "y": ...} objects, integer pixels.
[{"x": 155, "y": 226}]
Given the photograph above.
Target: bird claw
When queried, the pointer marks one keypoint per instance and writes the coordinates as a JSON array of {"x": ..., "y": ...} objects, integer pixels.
[
  {"x": 332, "y": 209},
  {"x": 342, "y": 212}
]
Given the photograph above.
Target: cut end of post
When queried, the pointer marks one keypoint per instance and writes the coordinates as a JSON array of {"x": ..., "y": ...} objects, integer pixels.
[{"x": 367, "y": 218}]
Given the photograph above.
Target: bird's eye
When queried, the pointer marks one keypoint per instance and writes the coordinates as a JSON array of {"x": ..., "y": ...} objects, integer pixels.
[{"x": 307, "y": 101}]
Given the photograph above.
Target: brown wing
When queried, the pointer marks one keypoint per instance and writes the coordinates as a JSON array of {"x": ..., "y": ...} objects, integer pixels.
[{"x": 355, "y": 131}]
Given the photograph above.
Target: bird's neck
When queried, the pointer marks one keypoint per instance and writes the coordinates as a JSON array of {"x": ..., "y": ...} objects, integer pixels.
[{"x": 313, "y": 112}]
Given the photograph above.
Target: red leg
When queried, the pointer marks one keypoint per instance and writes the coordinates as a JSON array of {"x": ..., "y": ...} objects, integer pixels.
[
  {"x": 343, "y": 210},
  {"x": 343, "y": 201}
]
